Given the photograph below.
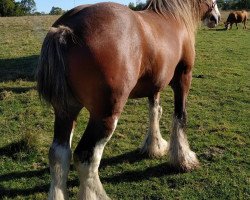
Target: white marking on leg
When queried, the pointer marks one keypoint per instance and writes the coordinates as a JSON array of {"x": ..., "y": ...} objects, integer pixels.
[
  {"x": 71, "y": 134},
  {"x": 90, "y": 185},
  {"x": 59, "y": 157},
  {"x": 154, "y": 145},
  {"x": 179, "y": 151}
]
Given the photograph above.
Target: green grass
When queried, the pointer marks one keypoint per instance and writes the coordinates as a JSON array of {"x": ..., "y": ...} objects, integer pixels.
[{"x": 218, "y": 125}]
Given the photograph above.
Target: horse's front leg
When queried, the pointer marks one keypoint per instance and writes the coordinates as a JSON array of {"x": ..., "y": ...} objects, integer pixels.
[
  {"x": 180, "y": 154},
  {"x": 154, "y": 145},
  {"x": 231, "y": 26},
  {"x": 236, "y": 25},
  {"x": 60, "y": 154}
]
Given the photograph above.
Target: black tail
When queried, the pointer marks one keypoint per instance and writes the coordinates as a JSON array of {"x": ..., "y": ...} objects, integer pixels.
[{"x": 52, "y": 68}]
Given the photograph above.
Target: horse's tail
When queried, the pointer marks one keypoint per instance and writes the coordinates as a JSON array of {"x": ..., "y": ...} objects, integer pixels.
[{"x": 52, "y": 68}]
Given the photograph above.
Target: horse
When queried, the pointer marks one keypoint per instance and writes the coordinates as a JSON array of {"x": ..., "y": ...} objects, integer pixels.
[
  {"x": 236, "y": 17},
  {"x": 98, "y": 56}
]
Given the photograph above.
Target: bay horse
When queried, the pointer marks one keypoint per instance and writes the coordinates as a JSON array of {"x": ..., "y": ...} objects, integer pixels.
[
  {"x": 236, "y": 17},
  {"x": 97, "y": 56}
]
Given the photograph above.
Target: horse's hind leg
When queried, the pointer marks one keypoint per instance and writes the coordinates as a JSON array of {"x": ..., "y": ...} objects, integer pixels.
[
  {"x": 180, "y": 154},
  {"x": 89, "y": 151},
  {"x": 60, "y": 153},
  {"x": 244, "y": 24},
  {"x": 154, "y": 145}
]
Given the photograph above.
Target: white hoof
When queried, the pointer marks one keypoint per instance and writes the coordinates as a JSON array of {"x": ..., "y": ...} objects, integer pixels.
[
  {"x": 154, "y": 147},
  {"x": 92, "y": 189},
  {"x": 184, "y": 161}
]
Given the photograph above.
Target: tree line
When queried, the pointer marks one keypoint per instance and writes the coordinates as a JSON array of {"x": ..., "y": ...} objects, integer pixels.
[
  {"x": 28, "y": 7},
  {"x": 12, "y": 8},
  {"x": 222, "y": 4},
  {"x": 23, "y": 7},
  {"x": 233, "y": 4}
]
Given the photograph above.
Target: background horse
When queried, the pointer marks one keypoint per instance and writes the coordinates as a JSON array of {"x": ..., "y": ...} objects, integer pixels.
[
  {"x": 236, "y": 17},
  {"x": 100, "y": 55}
]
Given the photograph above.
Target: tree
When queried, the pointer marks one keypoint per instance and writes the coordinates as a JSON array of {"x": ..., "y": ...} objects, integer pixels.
[
  {"x": 56, "y": 11},
  {"x": 19, "y": 11},
  {"x": 28, "y": 6},
  {"x": 131, "y": 5},
  {"x": 220, "y": 3},
  {"x": 7, "y": 7},
  {"x": 243, "y": 4},
  {"x": 139, "y": 5},
  {"x": 233, "y": 4}
]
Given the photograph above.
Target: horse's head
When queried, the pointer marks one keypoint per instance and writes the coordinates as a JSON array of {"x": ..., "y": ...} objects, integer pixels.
[{"x": 210, "y": 13}]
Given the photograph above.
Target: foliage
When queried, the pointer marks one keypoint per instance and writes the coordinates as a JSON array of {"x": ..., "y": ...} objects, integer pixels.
[
  {"x": 12, "y": 8},
  {"x": 7, "y": 7},
  {"x": 138, "y": 6},
  {"x": 28, "y": 6},
  {"x": 222, "y": 4},
  {"x": 56, "y": 11},
  {"x": 233, "y": 4},
  {"x": 218, "y": 124}
]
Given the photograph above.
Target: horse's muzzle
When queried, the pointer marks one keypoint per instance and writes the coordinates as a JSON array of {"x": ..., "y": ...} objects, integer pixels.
[{"x": 215, "y": 19}]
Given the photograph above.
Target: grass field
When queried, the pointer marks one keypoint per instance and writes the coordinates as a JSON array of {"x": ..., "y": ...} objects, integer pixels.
[{"x": 218, "y": 125}]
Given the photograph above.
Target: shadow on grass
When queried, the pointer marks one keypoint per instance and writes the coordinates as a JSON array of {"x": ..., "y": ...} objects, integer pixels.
[
  {"x": 12, "y": 193},
  {"x": 160, "y": 170},
  {"x": 17, "y": 90},
  {"x": 221, "y": 29},
  {"x": 25, "y": 174},
  {"x": 18, "y": 68},
  {"x": 11, "y": 149},
  {"x": 128, "y": 176},
  {"x": 129, "y": 157}
]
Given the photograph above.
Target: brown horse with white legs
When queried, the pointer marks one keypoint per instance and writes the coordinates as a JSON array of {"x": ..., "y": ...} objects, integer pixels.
[{"x": 98, "y": 56}]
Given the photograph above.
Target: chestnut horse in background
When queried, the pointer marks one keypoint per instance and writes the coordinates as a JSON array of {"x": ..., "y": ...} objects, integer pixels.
[
  {"x": 236, "y": 17},
  {"x": 98, "y": 56}
]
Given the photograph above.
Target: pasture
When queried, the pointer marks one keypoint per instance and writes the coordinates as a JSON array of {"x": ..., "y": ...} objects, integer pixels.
[{"x": 218, "y": 124}]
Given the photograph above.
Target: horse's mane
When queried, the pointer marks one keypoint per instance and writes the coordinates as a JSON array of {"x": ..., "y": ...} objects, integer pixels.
[{"x": 187, "y": 11}]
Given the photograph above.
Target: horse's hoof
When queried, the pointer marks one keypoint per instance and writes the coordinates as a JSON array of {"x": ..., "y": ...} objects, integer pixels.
[
  {"x": 155, "y": 149},
  {"x": 186, "y": 162}
]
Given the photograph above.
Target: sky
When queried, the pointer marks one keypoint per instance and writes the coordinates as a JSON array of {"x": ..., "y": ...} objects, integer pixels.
[{"x": 46, "y": 5}]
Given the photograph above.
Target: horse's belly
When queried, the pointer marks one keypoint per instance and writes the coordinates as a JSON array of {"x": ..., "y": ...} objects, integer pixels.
[
  {"x": 142, "y": 90},
  {"x": 151, "y": 83},
  {"x": 146, "y": 88}
]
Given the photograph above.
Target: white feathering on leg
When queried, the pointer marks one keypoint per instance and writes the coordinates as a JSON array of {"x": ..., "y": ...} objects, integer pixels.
[
  {"x": 90, "y": 185},
  {"x": 179, "y": 151},
  {"x": 60, "y": 157},
  {"x": 154, "y": 145}
]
